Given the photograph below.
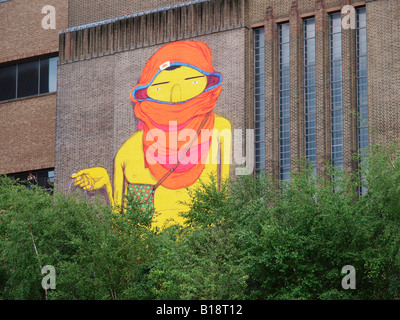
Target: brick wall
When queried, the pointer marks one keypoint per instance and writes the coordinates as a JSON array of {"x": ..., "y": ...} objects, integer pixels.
[
  {"x": 27, "y": 134},
  {"x": 116, "y": 41},
  {"x": 27, "y": 125},
  {"x": 83, "y": 12},
  {"x": 85, "y": 117},
  {"x": 21, "y": 32},
  {"x": 383, "y": 43},
  {"x": 256, "y": 8},
  {"x": 94, "y": 112},
  {"x": 146, "y": 29},
  {"x": 294, "y": 11}
]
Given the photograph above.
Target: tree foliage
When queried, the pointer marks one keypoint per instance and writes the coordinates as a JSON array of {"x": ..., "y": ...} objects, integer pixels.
[{"x": 246, "y": 239}]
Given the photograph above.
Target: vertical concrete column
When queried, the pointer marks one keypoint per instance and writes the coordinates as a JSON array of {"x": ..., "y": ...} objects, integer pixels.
[
  {"x": 74, "y": 36},
  {"x": 322, "y": 87},
  {"x": 271, "y": 97},
  {"x": 349, "y": 93},
  {"x": 296, "y": 75},
  {"x": 249, "y": 82},
  {"x": 85, "y": 44}
]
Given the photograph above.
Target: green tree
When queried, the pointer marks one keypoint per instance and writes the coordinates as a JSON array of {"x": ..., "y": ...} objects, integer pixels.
[
  {"x": 96, "y": 252},
  {"x": 245, "y": 239},
  {"x": 200, "y": 260}
]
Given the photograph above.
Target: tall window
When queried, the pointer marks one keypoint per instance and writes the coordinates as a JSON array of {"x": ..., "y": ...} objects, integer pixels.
[
  {"x": 336, "y": 90},
  {"x": 284, "y": 102},
  {"x": 259, "y": 99},
  {"x": 28, "y": 78},
  {"x": 309, "y": 93},
  {"x": 362, "y": 97}
]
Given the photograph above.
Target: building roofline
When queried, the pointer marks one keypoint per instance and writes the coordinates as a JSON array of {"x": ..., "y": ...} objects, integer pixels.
[{"x": 143, "y": 13}]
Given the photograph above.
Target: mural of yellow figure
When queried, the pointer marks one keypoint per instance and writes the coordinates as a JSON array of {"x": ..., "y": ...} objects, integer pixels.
[{"x": 180, "y": 139}]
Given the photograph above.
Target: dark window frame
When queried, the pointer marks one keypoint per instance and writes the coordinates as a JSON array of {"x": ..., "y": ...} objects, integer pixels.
[
  {"x": 310, "y": 113},
  {"x": 17, "y": 63},
  {"x": 336, "y": 89},
  {"x": 362, "y": 88},
  {"x": 41, "y": 176},
  {"x": 284, "y": 101},
  {"x": 259, "y": 99}
]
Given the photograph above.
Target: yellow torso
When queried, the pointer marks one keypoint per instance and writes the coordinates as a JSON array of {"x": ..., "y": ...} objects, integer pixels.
[{"x": 167, "y": 201}]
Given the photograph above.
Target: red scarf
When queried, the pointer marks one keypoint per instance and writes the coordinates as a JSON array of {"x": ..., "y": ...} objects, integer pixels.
[{"x": 172, "y": 119}]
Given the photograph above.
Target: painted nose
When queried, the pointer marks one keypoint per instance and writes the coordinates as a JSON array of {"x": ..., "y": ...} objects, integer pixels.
[{"x": 176, "y": 95}]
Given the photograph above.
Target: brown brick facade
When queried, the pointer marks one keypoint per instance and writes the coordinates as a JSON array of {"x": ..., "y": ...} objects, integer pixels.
[
  {"x": 378, "y": 77},
  {"x": 147, "y": 29},
  {"x": 271, "y": 96},
  {"x": 100, "y": 63},
  {"x": 83, "y": 12},
  {"x": 383, "y": 32},
  {"x": 322, "y": 87},
  {"x": 296, "y": 85},
  {"x": 94, "y": 112},
  {"x": 21, "y": 31},
  {"x": 27, "y": 134},
  {"x": 27, "y": 125}
]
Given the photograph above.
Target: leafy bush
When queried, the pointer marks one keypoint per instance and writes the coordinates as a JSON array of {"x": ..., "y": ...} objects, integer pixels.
[
  {"x": 92, "y": 248},
  {"x": 244, "y": 240}
]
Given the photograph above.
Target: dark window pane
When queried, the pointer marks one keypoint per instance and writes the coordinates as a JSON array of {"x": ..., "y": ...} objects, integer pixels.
[
  {"x": 336, "y": 91},
  {"x": 28, "y": 78},
  {"x": 284, "y": 97},
  {"x": 259, "y": 99},
  {"x": 7, "y": 82},
  {"x": 44, "y": 75},
  {"x": 48, "y": 75}
]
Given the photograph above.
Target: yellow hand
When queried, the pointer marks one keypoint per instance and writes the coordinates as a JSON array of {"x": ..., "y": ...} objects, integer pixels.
[{"x": 92, "y": 179}]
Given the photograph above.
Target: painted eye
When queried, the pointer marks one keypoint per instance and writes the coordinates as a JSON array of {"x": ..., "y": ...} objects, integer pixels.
[
  {"x": 158, "y": 89},
  {"x": 195, "y": 82}
]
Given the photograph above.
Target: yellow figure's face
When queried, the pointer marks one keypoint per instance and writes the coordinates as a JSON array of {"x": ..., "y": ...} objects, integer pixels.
[{"x": 177, "y": 85}]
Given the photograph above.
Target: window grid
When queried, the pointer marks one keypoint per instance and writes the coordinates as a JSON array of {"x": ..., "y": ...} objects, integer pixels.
[
  {"x": 259, "y": 99},
  {"x": 284, "y": 101},
  {"x": 362, "y": 96},
  {"x": 309, "y": 93},
  {"x": 336, "y": 90},
  {"x": 28, "y": 78}
]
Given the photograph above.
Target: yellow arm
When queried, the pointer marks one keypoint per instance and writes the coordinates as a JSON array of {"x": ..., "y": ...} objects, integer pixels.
[
  {"x": 225, "y": 144},
  {"x": 96, "y": 178},
  {"x": 93, "y": 179},
  {"x": 118, "y": 182}
]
